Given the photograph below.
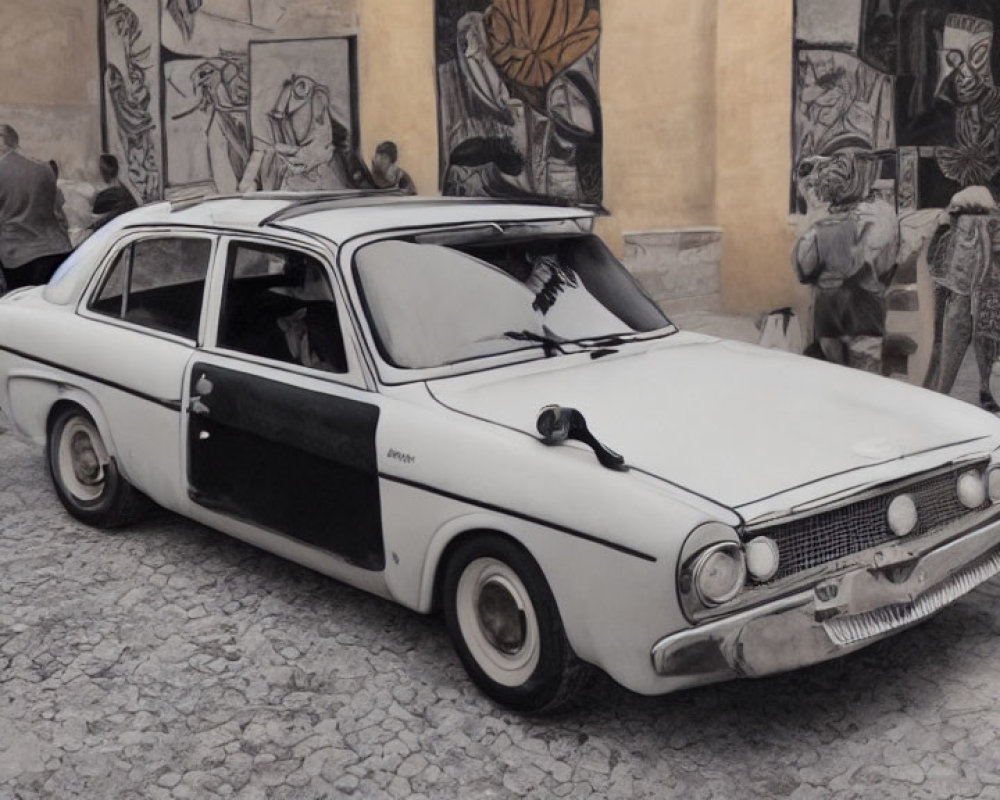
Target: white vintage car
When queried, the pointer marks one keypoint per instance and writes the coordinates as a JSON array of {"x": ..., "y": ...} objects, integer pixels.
[{"x": 471, "y": 406}]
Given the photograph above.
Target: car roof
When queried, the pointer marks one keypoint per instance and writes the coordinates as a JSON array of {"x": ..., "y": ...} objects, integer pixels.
[
  {"x": 340, "y": 216},
  {"x": 336, "y": 216}
]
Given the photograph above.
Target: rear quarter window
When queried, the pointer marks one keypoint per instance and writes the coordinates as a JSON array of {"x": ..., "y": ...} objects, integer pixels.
[{"x": 158, "y": 283}]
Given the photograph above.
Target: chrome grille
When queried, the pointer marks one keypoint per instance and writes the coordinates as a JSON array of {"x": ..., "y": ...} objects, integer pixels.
[{"x": 831, "y": 535}]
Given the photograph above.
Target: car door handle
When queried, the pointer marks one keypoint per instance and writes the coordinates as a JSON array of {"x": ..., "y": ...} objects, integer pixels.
[{"x": 198, "y": 407}]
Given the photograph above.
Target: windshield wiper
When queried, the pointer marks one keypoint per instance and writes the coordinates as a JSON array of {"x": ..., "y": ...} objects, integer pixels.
[
  {"x": 550, "y": 344},
  {"x": 611, "y": 340},
  {"x": 614, "y": 339}
]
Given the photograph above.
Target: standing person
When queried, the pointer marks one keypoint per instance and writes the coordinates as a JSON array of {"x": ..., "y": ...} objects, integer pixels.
[
  {"x": 387, "y": 173},
  {"x": 33, "y": 243},
  {"x": 114, "y": 198},
  {"x": 850, "y": 257}
]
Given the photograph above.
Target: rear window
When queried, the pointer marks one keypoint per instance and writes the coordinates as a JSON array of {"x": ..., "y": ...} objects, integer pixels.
[{"x": 158, "y": 283}]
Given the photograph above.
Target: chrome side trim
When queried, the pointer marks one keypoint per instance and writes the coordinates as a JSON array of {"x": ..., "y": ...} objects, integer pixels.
[{"x": 846, "y": 631}]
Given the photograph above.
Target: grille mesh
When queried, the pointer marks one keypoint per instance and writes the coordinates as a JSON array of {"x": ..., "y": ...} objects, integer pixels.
[{"x": 832, "y": 535}]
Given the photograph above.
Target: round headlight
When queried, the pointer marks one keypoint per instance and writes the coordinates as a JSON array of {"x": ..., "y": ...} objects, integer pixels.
[
  {"x": 993, "y": 484},
  {"x": 762, "y": 558},
  {"x": 902, "y": 515},
  {"x": 719, "y": 573},
  {"x": 971, "y": 490}
]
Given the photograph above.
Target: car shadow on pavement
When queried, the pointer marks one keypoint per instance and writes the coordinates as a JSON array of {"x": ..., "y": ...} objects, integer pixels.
[{"x": 914, "y": 671}]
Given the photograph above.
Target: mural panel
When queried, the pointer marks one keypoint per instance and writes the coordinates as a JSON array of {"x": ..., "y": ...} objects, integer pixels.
[
  {"x": 518, "y": 101},
  {"x": 896, "y": 172},
  {"x": 133, "y": 131},
  {"x": 183, "y": 80},
  {"x": 208, "y": 132},
  {"x": 303, "y": 115}
]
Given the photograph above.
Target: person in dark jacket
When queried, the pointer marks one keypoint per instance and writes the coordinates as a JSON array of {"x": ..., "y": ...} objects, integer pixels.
[
  {"x": 33, "y": 242},
  {"x": 114, "y": 199},
  {"x": 387, "y": 173}
]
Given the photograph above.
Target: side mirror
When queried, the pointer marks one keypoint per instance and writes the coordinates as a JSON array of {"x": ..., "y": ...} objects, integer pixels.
[{"x": 556, "y": 424}]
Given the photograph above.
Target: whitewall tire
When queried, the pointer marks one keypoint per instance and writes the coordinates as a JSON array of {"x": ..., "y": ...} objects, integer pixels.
[
  {"x": 506, "y": 628},
  {"x": 85, "y": 476}
]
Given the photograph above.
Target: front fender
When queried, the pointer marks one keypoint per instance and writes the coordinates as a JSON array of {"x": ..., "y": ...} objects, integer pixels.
[{"x": 614, "y": 604}]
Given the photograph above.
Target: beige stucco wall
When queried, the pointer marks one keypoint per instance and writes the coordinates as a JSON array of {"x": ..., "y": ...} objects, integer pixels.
[
  {"x": 753, "y": 154},
  {"x": 397, "y": 84},
  {"x": 657, "y": 85},
  {"x": 48, "y": 78}
]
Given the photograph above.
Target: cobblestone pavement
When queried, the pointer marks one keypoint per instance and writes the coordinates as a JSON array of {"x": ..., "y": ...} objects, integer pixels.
[{"x": 168, "y": 661}]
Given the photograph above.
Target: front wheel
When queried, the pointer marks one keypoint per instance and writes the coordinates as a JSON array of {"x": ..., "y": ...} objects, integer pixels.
[
  {"x": 85, "y": 476},
  {"x": 506, "y": 628}
]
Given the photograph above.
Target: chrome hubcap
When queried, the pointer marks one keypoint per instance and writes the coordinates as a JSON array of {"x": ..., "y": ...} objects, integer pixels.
[
  {"x": 81, "y": 460},
  {"x": 500, "y": 617},
  {"x": 498, "y": 621},
  {"x": 86, "y": 464}
]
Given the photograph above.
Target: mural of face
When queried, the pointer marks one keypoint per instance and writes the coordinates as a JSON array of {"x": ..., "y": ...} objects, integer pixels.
[
  {"x": 843, "y": 178},
  {"x": 965, "y": 57},
  {"x": 301, "y": 107},
  {"x": 806, "y": 177}
]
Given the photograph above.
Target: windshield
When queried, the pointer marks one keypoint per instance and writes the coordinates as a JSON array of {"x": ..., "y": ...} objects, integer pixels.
[{"x": 430, "y": 305}]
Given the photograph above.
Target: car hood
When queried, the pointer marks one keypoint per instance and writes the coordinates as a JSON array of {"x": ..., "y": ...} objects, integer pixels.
[{"x": 730, "y": 421}]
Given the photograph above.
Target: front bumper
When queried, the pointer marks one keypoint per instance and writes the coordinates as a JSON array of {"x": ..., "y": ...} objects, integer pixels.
[{"x": 838, "y": 614}]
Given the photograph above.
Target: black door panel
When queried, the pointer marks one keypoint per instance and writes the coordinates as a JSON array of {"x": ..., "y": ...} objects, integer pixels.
[{"x": 296, "y": 461}]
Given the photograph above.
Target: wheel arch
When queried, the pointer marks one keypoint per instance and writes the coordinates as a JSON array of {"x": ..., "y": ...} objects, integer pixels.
[
  {"x": 36, "y": 398},
  {"x": 86, "y": 403},
  {"x": 102, "y": 496},
  {"x": 64, "y": 396},
  {"x": 456, "y": 540}
]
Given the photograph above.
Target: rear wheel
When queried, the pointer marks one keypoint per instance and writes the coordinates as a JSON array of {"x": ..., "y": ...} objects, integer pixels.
[
  {"x": 85, "y": 476},
  {"x": 506, "y": 628}
]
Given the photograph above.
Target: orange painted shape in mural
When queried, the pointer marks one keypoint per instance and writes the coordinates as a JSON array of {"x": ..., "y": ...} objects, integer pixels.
[{"x": 532, "y": 41}]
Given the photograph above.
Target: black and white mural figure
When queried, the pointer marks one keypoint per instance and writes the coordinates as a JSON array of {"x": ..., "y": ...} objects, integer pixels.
[
  {"x": 842, "y": 102},
  {"x": 518, "y": 101},
  {"x": 201, "y": 26},
  {"x": 182, "y": 13},
  {"x": 849, "y": 255},
  {"x": 218, "y": 96},
  {"x": 966, "y": 83},
  {"x": 131, "y": 98},
  {"x": 964, "y": 262},
  {"x": 302, "y": 117},
  {"x": 208, "y": 125},
  {"x": 907, "y": 87}
]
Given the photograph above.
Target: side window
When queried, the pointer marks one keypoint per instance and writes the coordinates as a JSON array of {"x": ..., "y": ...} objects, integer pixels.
[
  {"x": 158, "y": 283},
  {"x": 279, "y": 304}
]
